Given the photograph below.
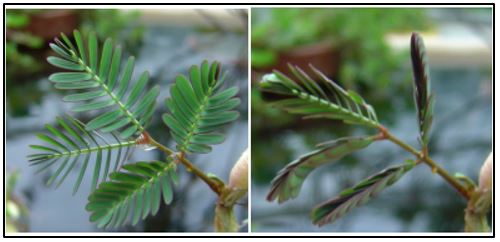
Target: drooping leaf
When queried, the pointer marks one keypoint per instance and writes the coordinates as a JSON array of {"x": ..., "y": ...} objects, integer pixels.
[
  {"x": 131, "y": 194},
  {"x": 348, "y": 199},
  {"x": 287, "y": 184},
  {"x": 198, "y": 107},
  {"x": 70, "y": 147},
  {"x": 424, "y": 100},
  {"x": 318, "y": 99},
  {"x": 104, "y": 86}
]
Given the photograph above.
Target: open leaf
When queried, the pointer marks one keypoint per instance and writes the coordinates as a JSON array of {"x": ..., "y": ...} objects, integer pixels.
[
  {"x": 424, "y": 100},
  {"x": 348, "y": 199},
  {"x": 199, "y": 107},
  {"x": 132, "y": 194},
  {"x": 71, "y": 147},
  {"x": 318, "y": 99},
  {"x": 103, "y": 85},
  {"x": 287, "y": 183}
]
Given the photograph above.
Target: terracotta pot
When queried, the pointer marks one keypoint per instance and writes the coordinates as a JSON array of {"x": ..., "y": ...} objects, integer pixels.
[
  {"x": 321, "y": 55},
  {"x": 50, "y": 23}
]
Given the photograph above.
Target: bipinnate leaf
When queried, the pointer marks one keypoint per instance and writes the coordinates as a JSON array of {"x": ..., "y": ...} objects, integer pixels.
[
  {"x": 424, "y": 100},
  {"x": 287, "y": 183},
  {"x": 132, "y": 194},
  {"x": 103, "y": 85},
  {"x": 198, "y": 107},
  {"x": 318, "y": 98},
  {"x": 71, "y": 146},
  {"x": 348, "y": 199}
]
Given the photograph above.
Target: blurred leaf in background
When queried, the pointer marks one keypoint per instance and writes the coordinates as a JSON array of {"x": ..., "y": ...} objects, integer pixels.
[
  {"x": 15, "y": 210},
  {"x": 17, "y": 38},
  {"x": 119, "y": 25},
  {"x": 358, "y": 36}
]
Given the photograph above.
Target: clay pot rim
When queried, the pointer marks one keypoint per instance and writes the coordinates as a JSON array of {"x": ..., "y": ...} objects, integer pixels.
[{"x": 54, "y": 13}]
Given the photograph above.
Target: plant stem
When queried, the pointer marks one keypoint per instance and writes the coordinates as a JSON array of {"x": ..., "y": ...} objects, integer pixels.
[
  {"x": 427, "y": 160},
  {"x": 190, "y": 167}
]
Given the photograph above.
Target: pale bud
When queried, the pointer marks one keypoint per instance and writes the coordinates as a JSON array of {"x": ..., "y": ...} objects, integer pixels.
[
  {"x": 238, "y": 178},
  {"x": 485, "y": 174}
]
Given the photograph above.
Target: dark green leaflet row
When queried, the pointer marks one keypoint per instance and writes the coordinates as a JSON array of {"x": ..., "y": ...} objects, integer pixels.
[
  {"x": 71, "y": 147},
  {"x": 103, "y": 84},
  {"x": 132, "y": 194},
  {"x": 198, "y": 107}
]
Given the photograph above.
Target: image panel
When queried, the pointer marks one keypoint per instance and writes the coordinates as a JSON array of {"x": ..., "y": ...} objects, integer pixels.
[
  {"x": 371, "y": 119},
  {"x": 126, "y": 120}
]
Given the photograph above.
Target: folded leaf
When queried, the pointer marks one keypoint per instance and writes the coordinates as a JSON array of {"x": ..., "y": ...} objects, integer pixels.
[
  {"x": 331, "y": 210},
  {"x": 318, "y": 99},
  {"x": 287, "y": 183},
  {"x": 424, "y": 100}
]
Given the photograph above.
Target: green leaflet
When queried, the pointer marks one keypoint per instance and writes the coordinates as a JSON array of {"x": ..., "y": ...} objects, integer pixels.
[
  {"x": 72, "y": 144},
  {"x": 287, "y": 183},
  {"x": 65, "y": 64},
  {"x": 84, "y": 96},
  {"x": 318, "y": 99},
  {"x": 66, "y": 77},
  {"x": 134, "y": 193},
  {"x": 197, "y": 108},
  {"x": 424, "y": 100},
  {"x": 331, "y": 210},
  {"x": 90, "y": 70}
]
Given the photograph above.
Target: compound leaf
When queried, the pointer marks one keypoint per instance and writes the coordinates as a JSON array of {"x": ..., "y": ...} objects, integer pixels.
[
  {"x": 348, "y": 199},
  {"x": 287, "y": 183},
  {"x": 93, "y": 72},
  {"x": 424, "y": 100},
  {"x": 72, "y": 144},
  {"x": 133, "y": 193},
  {"x": 305, "y": 96},
  {"x": 197, "y": 108}
]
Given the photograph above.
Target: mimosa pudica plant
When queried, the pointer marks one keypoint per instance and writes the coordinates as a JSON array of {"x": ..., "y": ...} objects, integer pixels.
[
  {"x": 101, "y": 85},
  {"x": 320, "y": 97}
]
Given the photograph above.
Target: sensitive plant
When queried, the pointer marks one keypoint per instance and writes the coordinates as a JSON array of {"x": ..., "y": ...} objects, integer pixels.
[
  {"x": 102, "y": 85},
  {"x": 320, "y": 97}
]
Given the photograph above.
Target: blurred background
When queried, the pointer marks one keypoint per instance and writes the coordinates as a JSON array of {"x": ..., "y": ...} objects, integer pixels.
[
  {"x": 367, "y": 50},
  {"x": 166, "y": 43}
]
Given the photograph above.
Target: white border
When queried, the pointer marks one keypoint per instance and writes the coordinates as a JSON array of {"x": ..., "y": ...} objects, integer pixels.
[{"x": 256, "y": 4}]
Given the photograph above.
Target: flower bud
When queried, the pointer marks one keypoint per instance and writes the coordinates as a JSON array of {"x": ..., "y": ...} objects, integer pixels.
[
  {"x": 238, "y": 178},
  {"x": 485, "y": 174}
]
